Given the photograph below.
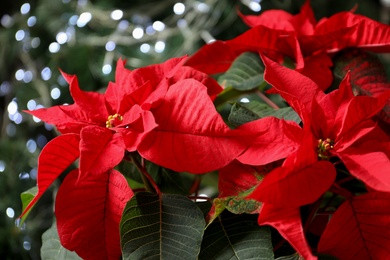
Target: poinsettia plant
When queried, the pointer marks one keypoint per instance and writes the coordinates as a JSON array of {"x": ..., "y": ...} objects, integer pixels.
[{"x": 284, "y": 154}]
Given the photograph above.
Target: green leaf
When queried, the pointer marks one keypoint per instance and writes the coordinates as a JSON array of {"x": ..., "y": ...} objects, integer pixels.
[
  {"x": 52, "y": 248},
  {"x": 163, "y": 226},
  {"x": 246, "y": 73},
  {"x": 236, "y": 237},
  {"x": 26, "y": 197},
  {"x": 246, "y": 112}
]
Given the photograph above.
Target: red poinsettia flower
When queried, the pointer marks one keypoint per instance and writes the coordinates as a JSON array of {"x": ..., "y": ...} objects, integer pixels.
[
  {"x": 337, "y": 124},
  {"x": 280, "y": 34},
  {"x": 164, "y": 111}
]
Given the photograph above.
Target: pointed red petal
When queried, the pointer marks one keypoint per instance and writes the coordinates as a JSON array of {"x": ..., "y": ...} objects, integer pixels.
[
  {"x": 96, "y": 111},
  {"x": 369, "y": 161},
  {"x": 305, "y": 21},
  {"x": 288, "y": 187},
  {"x": 55, "y": 157},
  {"x": 366, "y": 33},
  {"x": 359, "y": 109},
  {"x": 276, "y": 139},
  {"x": 317, "y": 68},
  {"x": 213, "y": 58},
  {"x": 285, "y": 80},
  {"x": 287, "y": 221},
  {"x": 274, "y": 19},
  {"x": 100, "y": 150},
  {"x": 237, "y": 177},
  {"x": 359, "y": 229},
  {"x": 191, "y": 135},
  {"x": 88, "y": 213}
]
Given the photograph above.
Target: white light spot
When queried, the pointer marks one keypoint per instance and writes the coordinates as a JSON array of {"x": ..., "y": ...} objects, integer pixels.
[
  {"x": 36, "y": 119},
  {"x": 107, "y": 69},
  {"x": 145, "y": 48},
  {"x": 10, "y": 212},
  {"x": 2, "y": 166},
  {"x": 82, "y": 2},
  {"x": 33, "y": 173},
  {"x": 110, "y": 46},
  {"x": 54, "y": 47},
  {"x": 123, "y": 25},
  {"x": 31, "y": 104},
  {"x": 48, "y": 127},
  {"x": 182, "y": 23},
  {"x": 5, "y": 88},
  {"x": 35, "y": 42},
  {"x": 19, "y": 74},
  {"x": 73, "y": 20},
  {"x": 27, "y": 77},
  {"x": 179, "y": 8},
  {"x": 31, "y": 21},
  {"x": 138, "y": 33},
  {"x": 202, "y": 200},
  {"x": 12, "y": 108},
  {"x": 149, "y": 30},
  {"x": 31, "y": 145},
  {"x": 61, "y": 37},
  {"x": 244, "y": 100},
  {"x": 55, "y": 93},
  {"x": 46, "y": 73},
  {"x": 17, "y": 118},
  {"x": 159, "y": 46},
  {"x": 84, "y": 19},
  {"x": 7, "y": 21},
  {"x": 254, "y": 6},
  {"x": 25, "y": 8},
  {"x": 27, "y": 245},
  {"x": 116, "y": 15},
  {"x": 19, "y": 35},
  {"x": 158, "y": 26},
  {"x": 61, "y": 81},
  {"x": 41, "y": 141},
  {"x": 203, "y": 8}
]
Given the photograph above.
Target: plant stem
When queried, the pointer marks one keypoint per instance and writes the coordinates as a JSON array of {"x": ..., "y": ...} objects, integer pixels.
[
  {"x": 147, "y": 179},
  {"x": 267, "y": 100}
]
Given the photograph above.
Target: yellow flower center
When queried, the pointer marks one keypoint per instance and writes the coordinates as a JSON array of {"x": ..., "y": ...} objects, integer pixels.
[
  {"x": 114, "y": 120},
  {"x": 323, "y": 148}
]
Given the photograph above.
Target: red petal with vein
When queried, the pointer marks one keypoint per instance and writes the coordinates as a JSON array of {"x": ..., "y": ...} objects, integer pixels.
[
  {"x": 237, "y": 177},
  {"x": 276, "y": 139},
  {"x": 213, "y": 58},
  {"x": 274, "y": 19},
  {"x": 361, "y": 108},
  {"x": 369, "y": 162},
  {"x": 88, "y": 213},
  {"x": 100, "y": 150},
  {"x": 288, "y": 187},
  {"x": 55, "y": 157},
  {"x": 94, "y": 110},
  {"x": 317, "y": 68},
  {"x": 367, "y": 33},
  {"x": 67, "y": 119},
  {"x": 191, "y": 135},
  {"x": 285, "y": 80},
  {"x": 360, "y": 229},
  {"x": 287, "y": 221},
  {"x": 305, "y": 21}
]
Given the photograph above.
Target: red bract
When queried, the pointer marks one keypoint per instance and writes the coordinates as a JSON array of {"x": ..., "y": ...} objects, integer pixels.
[
  {"x": 101, "y": 127},
  {"x": 340, "y": 123},
  {"x": 359, "y": 229},
  {"x": 88, "y": 213},
  {"x": 278, "y": 34},
  {"x": 337, "y": 124}
]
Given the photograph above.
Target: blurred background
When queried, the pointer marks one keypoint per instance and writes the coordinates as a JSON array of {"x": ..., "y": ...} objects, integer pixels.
[{"x": 37, "y": 37}]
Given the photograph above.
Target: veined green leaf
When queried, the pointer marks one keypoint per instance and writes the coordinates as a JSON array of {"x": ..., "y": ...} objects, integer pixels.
[
  {"x": 237, "y": 237},
  {"x": 52, "y": 249},
  {"x": 161, "y": 227},
  {"x": 246, "y": 73},
  {"x": 246, "y": 112}
]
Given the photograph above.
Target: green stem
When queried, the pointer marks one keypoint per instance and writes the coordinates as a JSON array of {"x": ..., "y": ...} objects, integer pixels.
[{"x": 147, "y": 179}]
